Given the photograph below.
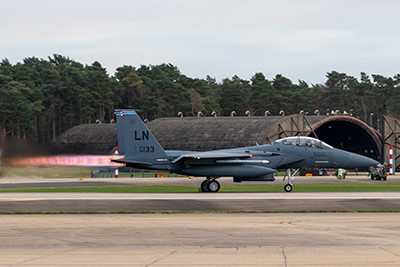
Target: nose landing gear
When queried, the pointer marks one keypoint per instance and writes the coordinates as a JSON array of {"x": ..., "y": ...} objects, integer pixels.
[{"x": 289, "y": 186}]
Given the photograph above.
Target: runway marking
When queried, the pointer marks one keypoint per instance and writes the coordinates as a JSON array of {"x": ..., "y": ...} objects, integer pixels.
[
  {"x": 200, "y": 198},
  {"x": 12, "y": 200}
]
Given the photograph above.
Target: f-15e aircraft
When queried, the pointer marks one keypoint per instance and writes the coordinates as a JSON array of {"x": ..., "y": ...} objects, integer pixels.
[{"x": 255, "y": 163}]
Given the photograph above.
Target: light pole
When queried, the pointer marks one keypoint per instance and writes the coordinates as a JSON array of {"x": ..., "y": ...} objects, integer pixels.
[{"x": 370, "y": 121}]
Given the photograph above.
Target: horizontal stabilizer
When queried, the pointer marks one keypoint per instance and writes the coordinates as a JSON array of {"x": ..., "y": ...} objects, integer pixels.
[{"x": 132, "y": 163}]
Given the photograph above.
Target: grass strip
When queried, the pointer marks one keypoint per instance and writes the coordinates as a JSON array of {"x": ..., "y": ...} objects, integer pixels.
[{"x": 259, "y": 188}]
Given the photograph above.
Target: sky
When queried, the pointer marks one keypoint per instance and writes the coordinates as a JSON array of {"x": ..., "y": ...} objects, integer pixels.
[{"x": 300, "y": 39}]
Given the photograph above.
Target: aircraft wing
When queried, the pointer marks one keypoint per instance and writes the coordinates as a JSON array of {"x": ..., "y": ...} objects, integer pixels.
[
  {"x": 213, "y": 155},
  {"x": 217, "y": 155},
  {"x": 199, "y": 155}
]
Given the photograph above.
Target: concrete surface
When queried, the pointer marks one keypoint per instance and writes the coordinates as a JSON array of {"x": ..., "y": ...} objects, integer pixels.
[
  {"x": 133, "y": 202},
  {"x": 287, "y": 239},
  {"x": 327, "y": 239}
]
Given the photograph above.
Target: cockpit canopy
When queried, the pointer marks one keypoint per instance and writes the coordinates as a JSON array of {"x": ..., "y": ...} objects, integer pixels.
[{"x": 303, "y": 141}]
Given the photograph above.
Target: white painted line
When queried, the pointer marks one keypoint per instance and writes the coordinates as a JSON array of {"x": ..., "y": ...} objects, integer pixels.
[
  {"x": 202, "y": 196},
  {"x": 295, "y": 198}
]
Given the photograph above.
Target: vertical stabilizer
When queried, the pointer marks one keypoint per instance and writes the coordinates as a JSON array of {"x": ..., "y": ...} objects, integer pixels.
[{"x": 135, "y": 140}]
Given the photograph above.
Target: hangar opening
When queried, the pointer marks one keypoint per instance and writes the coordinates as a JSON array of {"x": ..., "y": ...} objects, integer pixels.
[{"x": 349, "y": 134}]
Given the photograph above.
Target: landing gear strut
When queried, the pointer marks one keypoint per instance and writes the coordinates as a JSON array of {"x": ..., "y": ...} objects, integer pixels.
[
  {"x": 289, "y": 186},
  {"x": 210, "y": 185}
]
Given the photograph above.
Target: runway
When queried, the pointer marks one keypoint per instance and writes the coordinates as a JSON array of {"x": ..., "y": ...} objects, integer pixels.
[{"x": 184, "y": 202}]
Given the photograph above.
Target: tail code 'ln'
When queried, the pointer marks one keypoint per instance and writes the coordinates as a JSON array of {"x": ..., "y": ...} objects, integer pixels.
[{"x": 135, "y": 140}]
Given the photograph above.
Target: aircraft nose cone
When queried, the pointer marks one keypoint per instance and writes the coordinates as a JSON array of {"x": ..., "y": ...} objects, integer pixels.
[
  {"x": 349, "y": 160},
  {"x": 359, "y": 161}
]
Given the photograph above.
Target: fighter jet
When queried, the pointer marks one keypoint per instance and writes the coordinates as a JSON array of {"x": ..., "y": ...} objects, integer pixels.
[{"x": 255, "y": 163}]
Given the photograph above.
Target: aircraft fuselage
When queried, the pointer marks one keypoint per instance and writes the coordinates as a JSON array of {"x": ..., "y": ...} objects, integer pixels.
[
  {"x": 262, "y": 160},
  {"x": 255, "y": 163}
]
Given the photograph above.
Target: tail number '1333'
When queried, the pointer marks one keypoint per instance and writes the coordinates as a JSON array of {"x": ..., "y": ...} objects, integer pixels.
[{"x": 146, "y": 149}]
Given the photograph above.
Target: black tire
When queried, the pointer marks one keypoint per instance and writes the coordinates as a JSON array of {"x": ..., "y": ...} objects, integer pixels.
[
  {"x": 213, "y": 186},
  {"x": 288, "y": 187},
  {"x": 204, "y": 186},
  {"x": 384, "y": 178},
  {"x": 372, "y": 177}
]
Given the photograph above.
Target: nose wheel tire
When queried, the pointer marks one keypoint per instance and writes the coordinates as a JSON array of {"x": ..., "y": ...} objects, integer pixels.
[{"x": 288, "y": 188}]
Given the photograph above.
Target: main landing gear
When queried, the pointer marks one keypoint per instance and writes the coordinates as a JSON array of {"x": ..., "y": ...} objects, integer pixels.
[
  {"x": 289, "y": 186},
  {"x": 210, "y": 185}
]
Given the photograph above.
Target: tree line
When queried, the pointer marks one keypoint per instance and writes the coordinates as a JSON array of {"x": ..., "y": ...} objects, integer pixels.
[{"x": 40, "y": 99}]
